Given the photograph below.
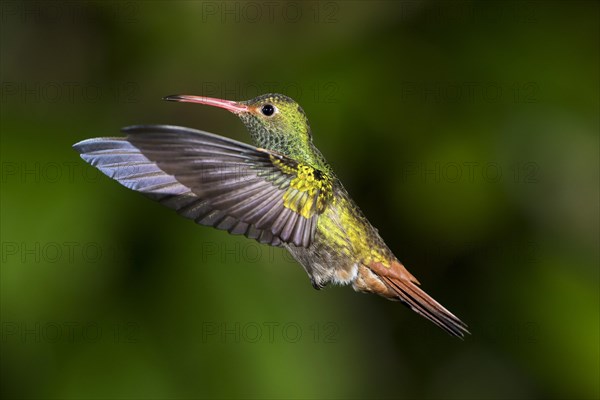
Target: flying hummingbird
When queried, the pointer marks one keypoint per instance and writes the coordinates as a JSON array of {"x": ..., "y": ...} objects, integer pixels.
[{"x": 280, "y": 192}]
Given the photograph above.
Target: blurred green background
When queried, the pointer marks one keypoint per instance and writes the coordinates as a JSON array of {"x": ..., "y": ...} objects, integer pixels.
[{"x": 466, "y": 131}]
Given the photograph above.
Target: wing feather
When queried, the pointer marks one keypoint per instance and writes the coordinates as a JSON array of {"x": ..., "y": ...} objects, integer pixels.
[{"x": 213, "y": 180}]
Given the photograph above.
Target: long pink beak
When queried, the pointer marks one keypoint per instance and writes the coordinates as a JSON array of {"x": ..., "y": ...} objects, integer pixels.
[{"x": 232, "y": 106}]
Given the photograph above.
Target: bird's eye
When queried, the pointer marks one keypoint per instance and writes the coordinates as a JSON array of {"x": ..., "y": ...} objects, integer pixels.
[{"x": 267, "y": 110}]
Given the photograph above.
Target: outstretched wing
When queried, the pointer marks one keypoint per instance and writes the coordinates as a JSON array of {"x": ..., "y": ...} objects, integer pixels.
[{"x": 216, "y": 181}]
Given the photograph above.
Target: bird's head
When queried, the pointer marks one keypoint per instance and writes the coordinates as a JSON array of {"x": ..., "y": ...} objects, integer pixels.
[{"x": 274, "y": 121}]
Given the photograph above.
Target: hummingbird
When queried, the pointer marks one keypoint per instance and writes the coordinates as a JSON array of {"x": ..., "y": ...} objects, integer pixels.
[{"x": 280, "y": 191}]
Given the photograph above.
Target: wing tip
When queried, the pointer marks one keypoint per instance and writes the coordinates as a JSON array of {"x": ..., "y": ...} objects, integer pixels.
[{"x": 100, "y": 143}]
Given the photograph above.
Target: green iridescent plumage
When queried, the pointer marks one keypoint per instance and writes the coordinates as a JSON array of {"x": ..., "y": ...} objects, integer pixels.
[{"x": 281, "y": 192}]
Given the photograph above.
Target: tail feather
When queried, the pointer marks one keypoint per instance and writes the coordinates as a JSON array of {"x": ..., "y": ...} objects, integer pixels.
[{"x": 417, "y": 300}]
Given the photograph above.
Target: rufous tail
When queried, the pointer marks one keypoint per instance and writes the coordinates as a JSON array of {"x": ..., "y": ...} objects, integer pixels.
[{"x": 405, "y": 288}]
